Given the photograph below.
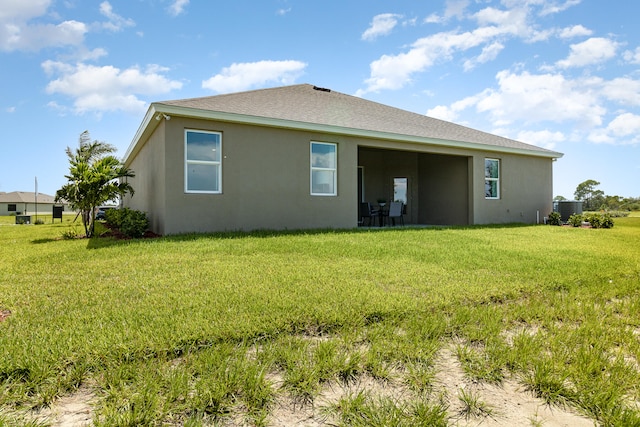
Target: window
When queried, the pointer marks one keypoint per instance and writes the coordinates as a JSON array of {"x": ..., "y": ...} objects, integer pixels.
[
  {"x": 323, "y": 169},
  {"x": 400, "y": 190},
  {"x": 12, "y": 207},
  {"x": 491, "y": 179},
  {"x": 203, "y": 167}
]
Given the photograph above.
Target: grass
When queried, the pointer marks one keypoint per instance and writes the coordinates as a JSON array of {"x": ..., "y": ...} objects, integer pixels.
[{"x": 198, "y": 329}]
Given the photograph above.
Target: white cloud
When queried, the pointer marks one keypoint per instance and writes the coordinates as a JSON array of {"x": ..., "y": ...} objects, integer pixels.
[
  {"x": 451, "y": 113},
  {"x": 453, "y": 9},
  {"x": 116, "y": 22},
  {"x": 495, "y": 26},
  {"x": 178, "y": 7},
  {"x": 510, "y": 22},
  {"x": 626, "y": 124},
  {"x": 489, "y": 53},
  {"x": 90, "y": 55},
  {"x": 35, "y": 37},
  {"x": 524, "y": 99},
  {"x": 632, "y": 57},
  {"x": 395, "y": 71},
  {"x": 623, "y": 90},
  {"x": 534, "y": 98},
  {"x": 282, "y": 12},
  {"x": 17, "y": 33},
  {"x": 623, "y": 129},
  {"x": 381, "y": 25},
  {"x": 543, "y": 138},
  {"x": 592, "y": 51},
  {"x": 550, "y": 7},
  {"x": 23, "y": 10},
  {"x": 107, "y": 88},
  {"x": 442, "y": 112},
  {"x": 575, "y": 31},
  {"x": 243, "y": 76}
]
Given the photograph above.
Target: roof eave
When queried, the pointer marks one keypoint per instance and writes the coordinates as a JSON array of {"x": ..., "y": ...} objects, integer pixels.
[
  {"x": 149, "y": 124},
  {"x": 145, "y": 129}
]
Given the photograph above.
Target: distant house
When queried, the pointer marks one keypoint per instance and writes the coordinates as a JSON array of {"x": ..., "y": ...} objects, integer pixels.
[
  {"x": 24, "y": 203},
  {"x": 301, "y": 157}
]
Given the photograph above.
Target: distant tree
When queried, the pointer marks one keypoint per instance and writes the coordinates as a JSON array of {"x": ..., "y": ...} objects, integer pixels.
[
  {"x": 592, "y": 198},
  {"x": 614, "y": 203},
  {"x": 94, "y": 178},
  {"x": 631, "y": 204},
  {"x": 559, "y": 198}
]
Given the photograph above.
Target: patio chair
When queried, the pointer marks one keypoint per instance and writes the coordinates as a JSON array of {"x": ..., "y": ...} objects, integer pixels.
[
  {"x": 366, "y": 212},
  {"x": 395, "y": 211}
]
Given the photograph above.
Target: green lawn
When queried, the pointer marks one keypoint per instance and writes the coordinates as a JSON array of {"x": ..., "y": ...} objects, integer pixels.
[{"x": 193, "y": 329}]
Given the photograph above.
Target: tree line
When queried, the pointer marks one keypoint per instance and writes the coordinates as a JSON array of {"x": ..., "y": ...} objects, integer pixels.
[{"x": 594, "y": 199}]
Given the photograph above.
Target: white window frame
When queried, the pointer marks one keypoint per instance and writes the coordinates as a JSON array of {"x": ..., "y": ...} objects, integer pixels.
[
  {"x": 492, "y": 179},
  {"x": 313, "y": 168},
  {"x": 188, "y": 162}
]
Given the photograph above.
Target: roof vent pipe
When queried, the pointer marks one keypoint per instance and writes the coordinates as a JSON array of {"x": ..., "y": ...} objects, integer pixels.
[{"x": 321, "y": 89}]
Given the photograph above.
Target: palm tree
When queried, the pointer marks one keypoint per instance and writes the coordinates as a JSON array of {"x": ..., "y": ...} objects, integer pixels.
[{"x": 95, "y": 177}]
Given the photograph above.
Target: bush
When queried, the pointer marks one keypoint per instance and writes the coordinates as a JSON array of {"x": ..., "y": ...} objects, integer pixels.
[
  {"x": 599, "y": 220},
  {"x": 114, "y": 217},
  {"x": 575, "y": 220},
  {"x": 555, "y": 218},
  {"x": 607, "y": 221},
  {"x": 130, "y": 222},
  {"x": 134, "y": 224}
]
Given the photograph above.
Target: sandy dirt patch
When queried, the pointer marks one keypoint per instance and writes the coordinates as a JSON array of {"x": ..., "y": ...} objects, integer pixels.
[
  {"x": 74, "y": 410},
  {"x": 508, "y": 404}
]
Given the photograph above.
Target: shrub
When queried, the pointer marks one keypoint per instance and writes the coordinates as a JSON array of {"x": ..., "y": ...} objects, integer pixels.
[
  {"x": 69, "y": 234},
  {"x": 114, "y": 217},
  {"x": 607, "y": 221},
  {"x": 554, "y": 218},
  {"x": 575, "y": 220},
  {"x": 599, "y": 220},
  {"x": 134, "y": 224},
  {"x": 593, "y": 218},
  {"x": 130, "y": 222}
]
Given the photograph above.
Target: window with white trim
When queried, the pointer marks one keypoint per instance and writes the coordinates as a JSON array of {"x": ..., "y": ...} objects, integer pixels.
[
  {"x": 324, "y": 172},
  {"x": 203, "y": 165},
  {"x": 491, "y": 178}
]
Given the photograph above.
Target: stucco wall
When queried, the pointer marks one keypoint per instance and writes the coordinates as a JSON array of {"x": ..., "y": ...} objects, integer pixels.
[
  {"x": 149, "y": 182},
  {"x": 526, "y": 191},
  {"x": 266, "y": 181}
]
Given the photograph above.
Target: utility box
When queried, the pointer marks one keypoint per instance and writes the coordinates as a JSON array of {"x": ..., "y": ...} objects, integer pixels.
[{"x": 23, "y": 219}]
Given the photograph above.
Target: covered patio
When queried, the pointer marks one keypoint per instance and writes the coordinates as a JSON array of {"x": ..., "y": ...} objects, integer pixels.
[{"x": 435, "y": 188}]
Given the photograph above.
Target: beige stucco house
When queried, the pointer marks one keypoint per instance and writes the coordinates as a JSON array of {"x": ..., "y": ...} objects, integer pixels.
[
  {"x": 301, "y": 157},
  {"x": 24, "y": 203}
]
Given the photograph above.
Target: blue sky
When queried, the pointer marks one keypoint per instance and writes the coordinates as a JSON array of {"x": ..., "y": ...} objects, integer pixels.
[{"x": 560, "y": 74}]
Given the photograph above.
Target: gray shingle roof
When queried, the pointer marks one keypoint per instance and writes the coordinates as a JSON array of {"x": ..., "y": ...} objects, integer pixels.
[
  {"x": 24, "y": 197},
  {"x": 304, "y": 103}
]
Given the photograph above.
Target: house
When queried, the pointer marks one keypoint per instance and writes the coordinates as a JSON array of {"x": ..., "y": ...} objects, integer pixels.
[
  {"x": 24, "y": 203},
  {"x": 303, "y": 157}
]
